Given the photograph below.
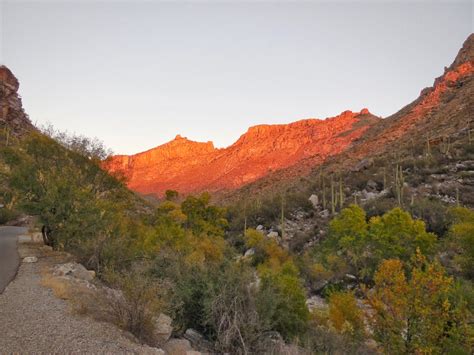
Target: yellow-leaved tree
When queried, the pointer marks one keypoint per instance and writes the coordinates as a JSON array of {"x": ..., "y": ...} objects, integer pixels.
[{"x": 416, "y": 314}]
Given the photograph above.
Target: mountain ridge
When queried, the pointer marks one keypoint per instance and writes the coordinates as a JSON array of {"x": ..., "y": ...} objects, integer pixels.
[{"x": 189, "y": 166}]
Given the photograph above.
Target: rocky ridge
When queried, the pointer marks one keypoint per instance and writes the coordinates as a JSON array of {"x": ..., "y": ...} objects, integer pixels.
[
  {"x": 12, "y": 114},
  {"x": 189, "y": 166}
]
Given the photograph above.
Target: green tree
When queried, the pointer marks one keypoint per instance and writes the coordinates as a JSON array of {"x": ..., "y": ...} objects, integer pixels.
[
  {"x": 202, "y": 217},
  {"x": 282, "y": 299},
  {"x": 348, "y": 233},
  {"x": 171, "y": 195},
  {"x": 461, "y": 234},
  {"x": 397, "y": 235},
  {"x": 364, "y": 245}
]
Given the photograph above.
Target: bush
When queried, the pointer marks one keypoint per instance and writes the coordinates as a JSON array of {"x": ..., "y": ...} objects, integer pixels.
[
  {"x": 283, "y": 301},
  {"x": 7, "y": 215},
  {"x": 141, "y": 299},
  {"x": 433, "y": 212}
]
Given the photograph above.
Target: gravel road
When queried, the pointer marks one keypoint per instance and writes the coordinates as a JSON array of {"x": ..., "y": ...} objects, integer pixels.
[{"x": 33, "y": 320}]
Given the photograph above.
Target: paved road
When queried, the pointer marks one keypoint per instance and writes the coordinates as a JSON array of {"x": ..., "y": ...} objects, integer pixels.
[{"x": 9, "y": 259}]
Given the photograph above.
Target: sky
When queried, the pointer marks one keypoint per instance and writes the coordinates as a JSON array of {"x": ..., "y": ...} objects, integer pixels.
[{"x": 137, "y": 73}]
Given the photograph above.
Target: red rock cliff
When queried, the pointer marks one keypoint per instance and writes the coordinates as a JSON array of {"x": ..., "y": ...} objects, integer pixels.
[
  {"x": 11, "y": 110},
  {"x": 190, "y": 167}
]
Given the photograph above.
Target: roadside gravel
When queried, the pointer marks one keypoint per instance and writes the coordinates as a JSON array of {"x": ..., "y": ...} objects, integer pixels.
[{"x": 33, "y": 320}]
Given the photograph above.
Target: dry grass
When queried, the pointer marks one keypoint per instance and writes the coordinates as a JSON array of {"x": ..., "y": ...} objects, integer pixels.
[{"x": 59, "y": 286}]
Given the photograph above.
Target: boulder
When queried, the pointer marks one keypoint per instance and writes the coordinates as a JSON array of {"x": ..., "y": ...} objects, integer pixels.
[
  {"x": 197, "y": 340},
  {"x": 350, "y": 277},
  {"x": 272, "y": 234},
  {"x": 363, "y": 164},
  {"x": 324, "y": 214},
  {"x": 250, "y": 252},
  {"x": 163, "y": 328},
  {"x": 259, "y": 227},
  {"x": 30, "y": 259},
  {"x": 74, "y": 270},
  {"x": 314, "y": 200},
  {"x": 193, "y": 336},
  {"x": 371, "y": 185},
  {"x": 316, "y": 303},
  {"x": 177, "y": 347}
]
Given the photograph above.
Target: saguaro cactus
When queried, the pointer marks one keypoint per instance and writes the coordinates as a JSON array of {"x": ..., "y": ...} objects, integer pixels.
[
  {"x": 399, "y": 183},
  {"x": 333, "y": 197},
  {"x": 445, "y": 145},
  {"x": 341, "y": 193},
  {"x": 282, "y": 222},
  {"x": 324, "y": 195}
]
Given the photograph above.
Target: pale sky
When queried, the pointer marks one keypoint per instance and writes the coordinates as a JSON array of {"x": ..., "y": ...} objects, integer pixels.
[{"x": 136, "y": 73}]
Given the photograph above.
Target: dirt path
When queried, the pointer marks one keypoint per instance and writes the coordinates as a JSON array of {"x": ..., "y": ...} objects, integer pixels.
[{"x": 33, "y": 320}]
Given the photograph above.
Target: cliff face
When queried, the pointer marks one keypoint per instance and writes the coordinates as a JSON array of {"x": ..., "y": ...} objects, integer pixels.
[
  {"x": 12, "y": 114},
  {"x": 189, "y": 166}
]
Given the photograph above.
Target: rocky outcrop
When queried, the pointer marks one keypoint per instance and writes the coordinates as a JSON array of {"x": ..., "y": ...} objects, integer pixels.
[
  {"x": 189, "y": 166},
  {"x": 12, "y": 114}
]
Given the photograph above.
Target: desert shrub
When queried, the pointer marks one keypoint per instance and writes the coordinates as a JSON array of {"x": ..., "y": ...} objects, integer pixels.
[
  {"x": 171, "y": 195},
  {"x": 233, "y": 311},
  {"x": 379, "y": 206},
  {"x": 433, "y": 212},
  {"x": 7, "y": 215},
  {"x": 282, "y": 299},
  {"x": 321, "y": 339},
  {"x": 139, "y": 301}
]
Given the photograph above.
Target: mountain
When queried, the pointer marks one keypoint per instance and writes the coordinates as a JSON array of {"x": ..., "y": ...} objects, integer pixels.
[
  {"x": 266, "y": 154},
  {"x": 12, "y": 114},
  {"x": 189, "y": 166}
]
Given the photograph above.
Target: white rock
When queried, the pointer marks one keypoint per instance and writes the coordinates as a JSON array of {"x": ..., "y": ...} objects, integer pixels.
[
  {"x": 193, "y": 336},
  {"x": 259, "y": 227},
  {"x": 177, "y": 347},
  {"x": 249, "y": 252},
  {"x": 324, "y": 214},
  {"x": 316, "y": 303},
  {"x": 74, "y": 270},
  {"x": 30, "y": 259},
  {"x": 163, "y": 328},
  {"x": 272, "y": 234},
  {"x": 314, "y": 200}
]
